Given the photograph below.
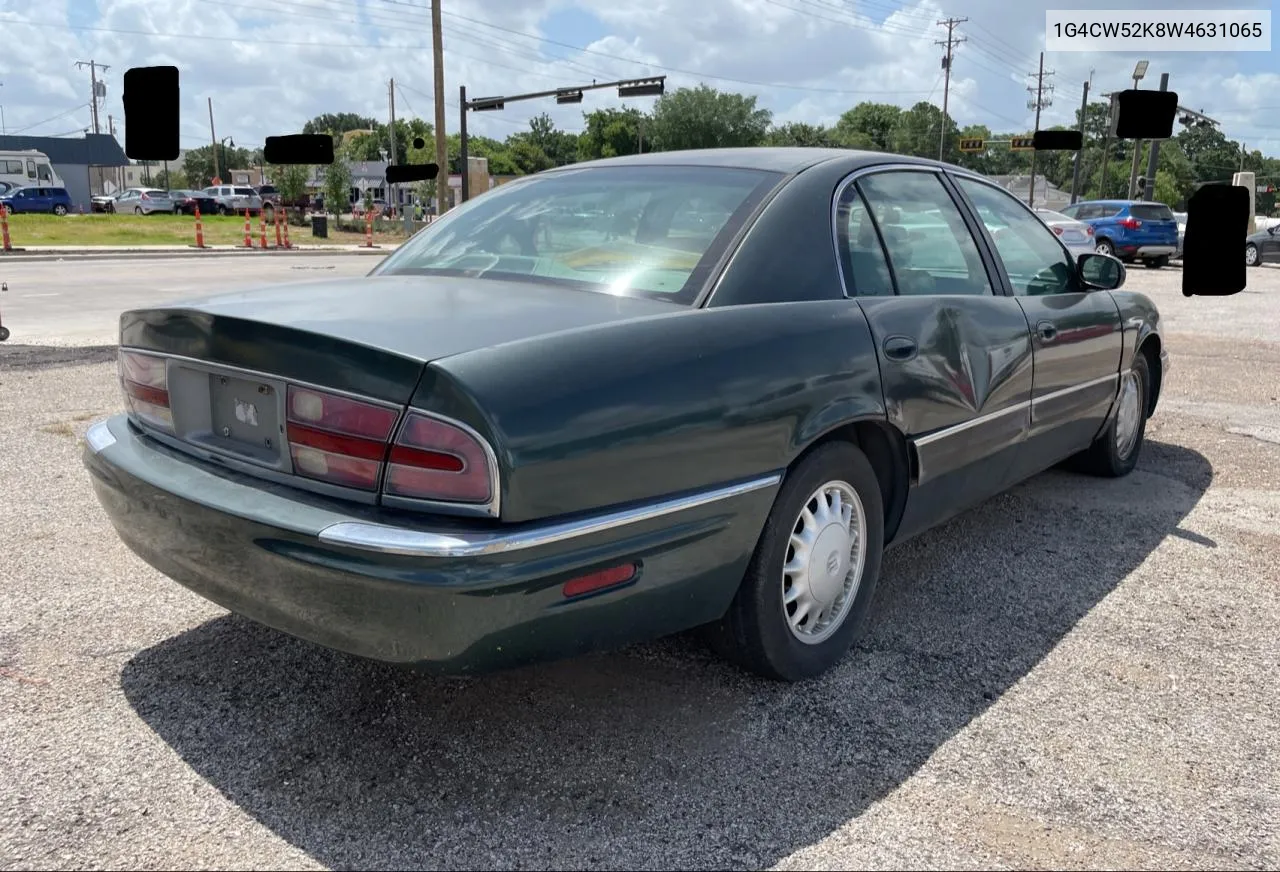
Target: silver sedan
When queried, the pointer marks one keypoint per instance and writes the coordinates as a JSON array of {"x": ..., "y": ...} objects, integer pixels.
[{"x": 1075, "y": 235}]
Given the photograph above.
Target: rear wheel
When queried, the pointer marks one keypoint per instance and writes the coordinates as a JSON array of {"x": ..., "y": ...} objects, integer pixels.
[
  {"x": 1155, "y": 262},
  {"x": 1251, "y": 255},
  {"x": 809, "y": 585},
  {"x": 1115, "y": 452},
  {"x": 1104, "y": 246},
  {"x": 223, "y": 210},
  {"x": 59, "y": 210},
  {"x": 137, "y": 210},
  {"x": 4, "y": 333}
]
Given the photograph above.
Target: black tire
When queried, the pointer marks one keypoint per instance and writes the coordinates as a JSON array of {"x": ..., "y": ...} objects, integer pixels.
[
  {"x": 59, "y": 210},
  {"x": 1105, "y": 457},
  {"x": 754, "y": 633},
  {"x": 1156, "y": 262},
  {"x": 110, "y": 208},
  {"x": 1251, "y": 257},
  {"x": 1105, "y": 246},
  {"x": 137, "y": 210},
  {"x": 223, "y": 210},
  {"x": 4, "y": 333}
]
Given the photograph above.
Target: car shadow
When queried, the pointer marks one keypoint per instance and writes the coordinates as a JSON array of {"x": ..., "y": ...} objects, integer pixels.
[{"x": 660, "y": 755}]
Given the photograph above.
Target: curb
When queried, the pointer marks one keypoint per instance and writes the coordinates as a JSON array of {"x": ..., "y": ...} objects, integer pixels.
[{"x": 170, "y": 254}]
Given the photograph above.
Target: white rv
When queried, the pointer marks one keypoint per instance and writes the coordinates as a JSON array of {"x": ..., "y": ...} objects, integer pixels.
[{"x": 28, "y": 167}]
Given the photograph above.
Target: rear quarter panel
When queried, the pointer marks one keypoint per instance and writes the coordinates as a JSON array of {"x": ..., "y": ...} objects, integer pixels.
[{"x": 658, "y": 405}]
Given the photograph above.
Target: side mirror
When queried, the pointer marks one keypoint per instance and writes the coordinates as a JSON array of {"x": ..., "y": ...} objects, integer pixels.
[{"x": 1100, "y": 271}]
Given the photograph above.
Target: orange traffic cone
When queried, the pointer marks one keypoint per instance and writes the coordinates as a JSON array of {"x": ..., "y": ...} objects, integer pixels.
[
  {"x": 4, "y": 227},
  {"x": 262, "y": 229},
  {"x": 275, "y": 213},
  {"x": 199, "y": 230},
  {"x": 287, "y": 243},
  {"x": 248, "y": 231},
  {"x": 368, "y": 229}
]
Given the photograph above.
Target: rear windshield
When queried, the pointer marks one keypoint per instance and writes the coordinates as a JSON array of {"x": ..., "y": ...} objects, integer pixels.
[
  {"x": 1046, "y": 215},
  {"x": 644, "y": 231},
  {"x": 245, "y": 192},
  {"x": 1151, "y": 212}
]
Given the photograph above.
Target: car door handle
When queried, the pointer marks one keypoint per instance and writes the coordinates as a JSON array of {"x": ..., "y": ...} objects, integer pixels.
[
  {"x": 1047, "y": 331},
  {"x": 900, "y": 348}
]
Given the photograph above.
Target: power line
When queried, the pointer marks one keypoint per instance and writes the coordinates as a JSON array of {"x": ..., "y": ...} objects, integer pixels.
[
  {"x": 951, "y": 42},
  {"x": 47, "y": 120}
]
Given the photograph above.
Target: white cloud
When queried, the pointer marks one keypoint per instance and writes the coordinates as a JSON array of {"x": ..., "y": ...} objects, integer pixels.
[{"x": 270, "y": 67}]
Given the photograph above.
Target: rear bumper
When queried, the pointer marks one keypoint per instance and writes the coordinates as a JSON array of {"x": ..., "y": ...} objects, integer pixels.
[
  {"x": 390, "y": 586},
  {"x": 1155, "y": 250}
]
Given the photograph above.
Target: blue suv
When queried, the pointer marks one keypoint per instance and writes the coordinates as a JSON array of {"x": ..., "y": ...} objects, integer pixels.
[
  {"x": 37, "y": 199},
  {"x": 1130, "y": 229}
]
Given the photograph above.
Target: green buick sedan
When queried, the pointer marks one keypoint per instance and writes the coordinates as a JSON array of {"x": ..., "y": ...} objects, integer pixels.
[{"x": 623, "y": 399}]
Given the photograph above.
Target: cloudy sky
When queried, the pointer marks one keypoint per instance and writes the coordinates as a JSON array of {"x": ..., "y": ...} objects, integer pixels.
[{"x": 270, "y": 65}]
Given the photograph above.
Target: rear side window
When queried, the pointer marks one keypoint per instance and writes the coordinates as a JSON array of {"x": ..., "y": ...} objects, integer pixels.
[
  {"x": 1151, "y": 212},
  {"x": 865, "y": 267},
  {"x": 931, "y": 250},
  {"x": 245, "y": 192}
]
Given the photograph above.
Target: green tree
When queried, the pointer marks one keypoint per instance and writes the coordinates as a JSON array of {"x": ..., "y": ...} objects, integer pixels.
[
  {"x": 337, "y": 187},
  {"x": 611, "y": 133},
  {"x": 797, "y": 133},
  {"x": 703, "y": 117},
  {"x": 873, "y": 123},
  {"x": 558, "y": 145},
  {"x": 199, "y": 169},
  {"x": 170, "y": 180},
  {"x": 290, "y": 181},
  {"x": 919, "y": 129},
  {"x": 528, "y": 157}
]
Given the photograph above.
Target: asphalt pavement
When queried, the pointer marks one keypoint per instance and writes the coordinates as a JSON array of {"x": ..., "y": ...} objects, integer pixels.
[{"x": 1077, "y": 674}]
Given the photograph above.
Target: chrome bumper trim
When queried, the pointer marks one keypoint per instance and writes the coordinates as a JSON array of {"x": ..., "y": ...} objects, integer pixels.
[
  {"x": 99, "y": 437},
  {"x": 408, "y": 542}
]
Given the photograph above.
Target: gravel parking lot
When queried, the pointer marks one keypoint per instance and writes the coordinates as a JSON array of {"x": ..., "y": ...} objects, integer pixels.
[{"x": 1080, "y": 673}]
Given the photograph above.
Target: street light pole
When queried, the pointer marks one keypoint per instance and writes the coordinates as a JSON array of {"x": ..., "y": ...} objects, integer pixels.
[{"x": 462, "y": 145}]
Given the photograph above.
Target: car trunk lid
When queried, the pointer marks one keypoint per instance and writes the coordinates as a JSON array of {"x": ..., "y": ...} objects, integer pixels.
[
  {"x": 307, "y": 384},
  {"x": 1157, "y": 224}
]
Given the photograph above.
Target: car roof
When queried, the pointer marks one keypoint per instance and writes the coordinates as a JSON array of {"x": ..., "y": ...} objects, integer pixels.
[{"x": 777, "y": 159}]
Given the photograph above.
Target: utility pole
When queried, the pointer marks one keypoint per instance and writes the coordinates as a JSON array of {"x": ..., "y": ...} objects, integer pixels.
[
  {"x": 1075, "y": 176},
  {"x": 1106, "y": 144},
  {"x": 1040, "y": 102},
  {"x": 93, "y": 84},
  {"x": 950, "y": 42},
  {"x": 442, "y": 145},
  {"x": 1153, "y": 162},
  {"x": 1138, "y": 72},
  {"x": 391, "y": 99},
  {"x": 214, "y": 135}
]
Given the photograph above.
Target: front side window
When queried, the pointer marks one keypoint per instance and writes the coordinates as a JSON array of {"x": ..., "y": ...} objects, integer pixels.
[
  {"x": 1035, "y": 261},
  {"x": 930, "y": 247},
  {"x": 650, "y": 231}
]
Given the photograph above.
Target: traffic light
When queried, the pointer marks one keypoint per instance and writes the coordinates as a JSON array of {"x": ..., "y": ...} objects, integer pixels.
[
  {"x": 972, "y": 145},
  {"x": 1022, "y": 143}
]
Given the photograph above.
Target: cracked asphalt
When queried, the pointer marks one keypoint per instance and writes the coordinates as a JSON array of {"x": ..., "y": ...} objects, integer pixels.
[{"x": 1077, "y": 674}]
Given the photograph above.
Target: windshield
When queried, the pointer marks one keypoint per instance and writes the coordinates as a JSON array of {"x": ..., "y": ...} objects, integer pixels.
[{"x": 646, "y": 231}]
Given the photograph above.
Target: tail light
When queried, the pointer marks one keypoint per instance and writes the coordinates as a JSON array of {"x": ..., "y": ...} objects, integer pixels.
[
  {"x": 1057, "y": 231},
  {"x": 1130, "y": 223},
  {"x": 337, "y": 439},
  {"x": 145, "y": 381},
  {"x": 1088, "y": 230},
  {"x": 435, "y": 460},
  {"x": 145, "y": 196}
]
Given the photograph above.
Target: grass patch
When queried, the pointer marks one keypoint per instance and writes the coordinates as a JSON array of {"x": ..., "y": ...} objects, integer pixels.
[{"x": 142, "y": 230}]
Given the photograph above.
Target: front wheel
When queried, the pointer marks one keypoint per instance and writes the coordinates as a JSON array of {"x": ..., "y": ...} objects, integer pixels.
[
  {"x": 1251, "y": 255},
  {"x": 1115, "y": 452},
  {"x": 809, "y": 584}
]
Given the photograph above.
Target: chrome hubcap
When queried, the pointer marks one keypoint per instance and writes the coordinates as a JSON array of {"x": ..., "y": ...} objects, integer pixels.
[
  {"x": 1250, "y": 255},
  {"x": 1128, "y": 415},
  {"x": 825, "y": 557}
]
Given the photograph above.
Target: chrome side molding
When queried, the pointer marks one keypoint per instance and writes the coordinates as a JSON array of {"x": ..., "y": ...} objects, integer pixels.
[{"x": 409, "y": 542}]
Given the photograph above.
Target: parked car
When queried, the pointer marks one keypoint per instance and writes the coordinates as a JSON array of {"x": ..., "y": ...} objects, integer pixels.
[
  {"x": 143, "y": 201},
  {"x": 1129, "y": 229},
  {"x": 235, "y": 199},
  {"x": 186, "y": 202},
  {"x": 103, "y": 202},
  {"x": 1075, "y": 235},
  {"x": 6, "y": 187},
  {"x": 1263, "y": 246},
  {"x": 518, "y": 439},
  {"x": 37, "y": 199}
]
